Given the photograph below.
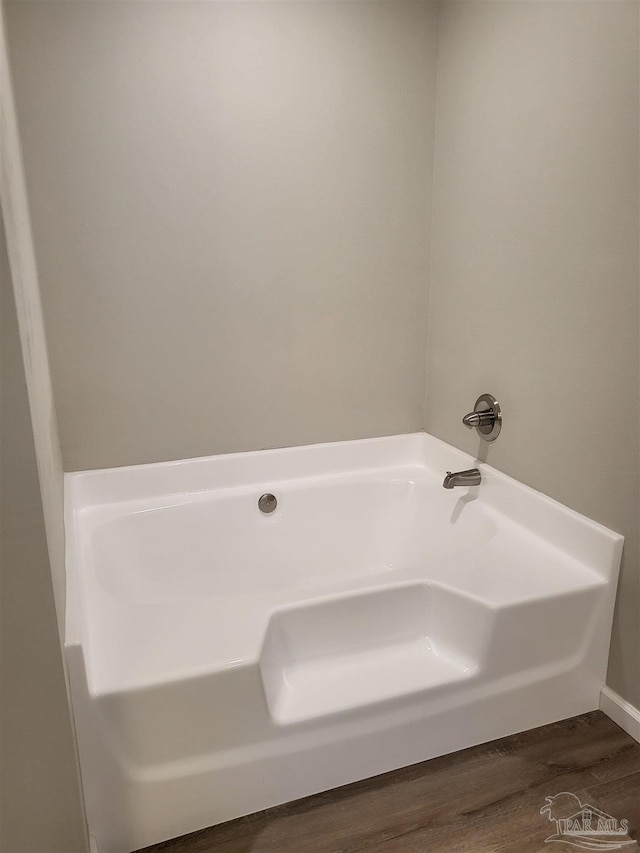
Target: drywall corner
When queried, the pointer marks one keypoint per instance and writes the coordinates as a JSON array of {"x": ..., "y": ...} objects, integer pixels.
[
  {"x": 22, "y": 263},
  {"x": 49, "y": 734}
]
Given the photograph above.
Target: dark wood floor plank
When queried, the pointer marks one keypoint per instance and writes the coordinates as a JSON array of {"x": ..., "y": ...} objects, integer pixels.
[
  {"x": 620, "y": 798},
  {"x": 486, "y": 799}
]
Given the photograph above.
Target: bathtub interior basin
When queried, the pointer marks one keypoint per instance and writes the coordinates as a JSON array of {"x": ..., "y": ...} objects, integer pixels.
[
  {"x": 330, "y": 530},
  {"x": 223, "y": 660}
]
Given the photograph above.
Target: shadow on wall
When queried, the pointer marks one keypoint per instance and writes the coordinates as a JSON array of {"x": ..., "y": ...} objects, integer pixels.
[{"x": 37, "y": 761}]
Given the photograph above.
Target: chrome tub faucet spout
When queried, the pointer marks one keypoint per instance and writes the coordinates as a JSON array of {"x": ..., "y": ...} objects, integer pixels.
[{"x": 471, "y": 477}]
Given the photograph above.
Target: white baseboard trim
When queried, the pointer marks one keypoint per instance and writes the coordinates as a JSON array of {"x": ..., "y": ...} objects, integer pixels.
[{"x": 621, "y": 712}]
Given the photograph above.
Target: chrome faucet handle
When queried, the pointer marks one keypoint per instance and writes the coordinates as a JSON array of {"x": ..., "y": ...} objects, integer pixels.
[
  {"x": 486, "y": 417},
  {"x": 476, "y": 419}
]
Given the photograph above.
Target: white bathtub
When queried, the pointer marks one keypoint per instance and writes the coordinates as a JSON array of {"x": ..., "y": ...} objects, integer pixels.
[{"x": 223, "y": 660}]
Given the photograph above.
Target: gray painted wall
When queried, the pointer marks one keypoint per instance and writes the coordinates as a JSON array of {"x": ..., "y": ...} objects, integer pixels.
[
  {"x": 534, "y": 295},
  {"x": 231, "y": 219},
  {"x": 40, "y": 807},
  {"x": 40, "y": 802}
]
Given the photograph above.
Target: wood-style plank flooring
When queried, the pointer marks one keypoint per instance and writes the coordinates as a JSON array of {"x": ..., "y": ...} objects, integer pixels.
[{"x": 486, "y": 799}]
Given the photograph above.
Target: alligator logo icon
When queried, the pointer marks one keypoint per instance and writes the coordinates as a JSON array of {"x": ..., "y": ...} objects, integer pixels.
[{"x": 584, "y": 826}]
